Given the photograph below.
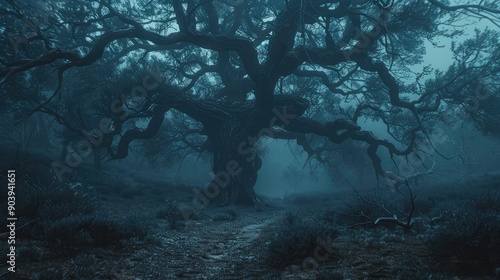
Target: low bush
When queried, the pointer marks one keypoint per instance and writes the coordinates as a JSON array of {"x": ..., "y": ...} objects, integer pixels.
[
  {"x": 67, "y": 234},
  {"x": 106, "y": 233},
  {"x": 468, "y": 242},
  {"x": 29, "y": 253},
  {"x": 296, "y": 239},
  {"x": 75, "y": 232},
  {"x": 232, "y": 211},
  {"x": 330, "y": 216},
  {"x": 171, "y": 212},
  {"x": 487, "y": 203},
  {"x": 53, "y": 203},
  {"x": 50, "y": 274}
]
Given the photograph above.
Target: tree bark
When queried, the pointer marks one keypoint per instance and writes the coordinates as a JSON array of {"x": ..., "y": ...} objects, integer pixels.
[{"x": 235, "y": 163}]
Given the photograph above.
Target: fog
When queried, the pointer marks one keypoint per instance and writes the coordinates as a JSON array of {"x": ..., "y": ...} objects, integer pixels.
[{"x": 263, "y": 139}]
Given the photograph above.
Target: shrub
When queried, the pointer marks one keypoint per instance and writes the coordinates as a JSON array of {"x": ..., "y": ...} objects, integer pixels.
[
  {"x": 329, "y": 275},
  {"x": 63, "y": 203},
  {"x": 29, "y": 253},
  {"x": 468, "y": 243},
  {"x": 487, "y": 203},
  {"x": 42, "y": 205},
  {"x": 68, "y": 233},
  {"x": 50, "y": 274},
  {"x": 84, "y": 272},
  {"x": 106, "y": 233},
  {"x": 232, "y": 212},
  {"x": 330, "y": 216},
  {"x": 53, "y": 203},
  {"x": 291, "y": 218},
  {"x": 172, "y": 213},
  {"x": 421, "y": 225},
  {"x": 296, "y": 240},
  {"x": 72, "y": 233},
  {"x": 63, "y": 217}
]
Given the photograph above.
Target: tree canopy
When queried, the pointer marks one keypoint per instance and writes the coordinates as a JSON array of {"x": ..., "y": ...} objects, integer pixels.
[{"x": 215, "y": 76}]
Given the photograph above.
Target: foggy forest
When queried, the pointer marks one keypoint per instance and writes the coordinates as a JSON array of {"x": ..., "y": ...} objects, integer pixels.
[{"x": 259, "y": 139}]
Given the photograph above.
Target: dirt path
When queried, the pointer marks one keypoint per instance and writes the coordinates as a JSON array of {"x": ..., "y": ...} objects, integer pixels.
[{"x": 207, "y": 249}]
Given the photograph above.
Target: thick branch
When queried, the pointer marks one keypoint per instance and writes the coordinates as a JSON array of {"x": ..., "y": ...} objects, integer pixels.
[
  {"x": 134, "y": 134},
  {"x": 243, "y": 47},
  {"x": 340, "y": 130}
]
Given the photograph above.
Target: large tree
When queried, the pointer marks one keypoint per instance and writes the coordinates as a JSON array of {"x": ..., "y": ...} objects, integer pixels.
[{"x": 240, "y": 70}]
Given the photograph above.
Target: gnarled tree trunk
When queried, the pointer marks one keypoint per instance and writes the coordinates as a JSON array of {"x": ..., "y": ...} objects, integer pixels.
[
  {"x": 235, "y": 160},
  {"x": 235, "y": 163}
]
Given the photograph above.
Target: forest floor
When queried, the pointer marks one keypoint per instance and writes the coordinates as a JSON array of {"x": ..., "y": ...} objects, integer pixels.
[{"x": 236, "y": 248}]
